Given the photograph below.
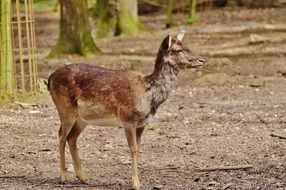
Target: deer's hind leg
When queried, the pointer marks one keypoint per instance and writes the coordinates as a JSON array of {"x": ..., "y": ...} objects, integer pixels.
[
  {"x": 139, "y": 132},
  {"x": 63, "y": 133},
  {"x": 76, "y": 130},
  {"x": 68, "y": 119}
]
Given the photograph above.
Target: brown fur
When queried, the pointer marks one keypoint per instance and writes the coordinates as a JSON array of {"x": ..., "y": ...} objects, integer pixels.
[{"x": 85, "y": 93}]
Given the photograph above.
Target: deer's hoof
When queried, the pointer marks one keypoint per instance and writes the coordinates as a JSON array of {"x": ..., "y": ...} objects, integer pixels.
[
  {"x": 81, "y": 178},
  {"x": 136, "y": 187},
  {"x": 63, "y": 179}
]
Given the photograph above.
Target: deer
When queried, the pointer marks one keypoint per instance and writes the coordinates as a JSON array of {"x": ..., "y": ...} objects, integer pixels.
[{"x": 87, "y": 94}]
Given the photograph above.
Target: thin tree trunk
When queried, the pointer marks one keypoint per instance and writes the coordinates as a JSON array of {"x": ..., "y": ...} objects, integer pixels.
[
  {"x": 170, "y": 21},
  {"x": 192, "y": 12},
  {"x": 128, "y": 22},
  {"x": 75, "y": 36},
  {"x": 6, "y": 58},
  {"x": 104, "y": 23}
]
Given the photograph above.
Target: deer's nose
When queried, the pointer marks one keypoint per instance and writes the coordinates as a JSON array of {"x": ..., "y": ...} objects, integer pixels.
[{"x": 202, "y": 60}]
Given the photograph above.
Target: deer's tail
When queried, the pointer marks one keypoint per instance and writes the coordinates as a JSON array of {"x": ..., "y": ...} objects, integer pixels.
[{"x": 48, "y": 83}]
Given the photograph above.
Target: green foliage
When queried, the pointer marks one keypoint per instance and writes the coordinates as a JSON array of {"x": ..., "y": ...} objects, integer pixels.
[
  {"x": 44, "y": 4},
  {"x": 192, "y": 12},
  {"x": 191, "y": 20}
]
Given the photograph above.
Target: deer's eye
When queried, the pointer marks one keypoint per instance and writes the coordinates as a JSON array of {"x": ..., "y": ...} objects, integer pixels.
[{"x": 178, "y": 51}]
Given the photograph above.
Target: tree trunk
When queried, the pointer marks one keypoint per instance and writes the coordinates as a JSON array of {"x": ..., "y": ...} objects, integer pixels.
[
  {"x": 192, "y": 12},
  {"x": 104, "y": 23},
  {"x": 6, "y": 58},
  {"x": 128, "y": 22},
  {"x": 170, "y": 21},
  {"x": 232, "y": 3},
  {"x": 75, "y": 36}
]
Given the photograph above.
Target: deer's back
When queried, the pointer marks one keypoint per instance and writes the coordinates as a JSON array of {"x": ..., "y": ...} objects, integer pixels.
[{"x": 99, "y": 92}]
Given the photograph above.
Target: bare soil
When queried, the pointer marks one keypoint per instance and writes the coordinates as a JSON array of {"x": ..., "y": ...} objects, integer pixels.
[{"x": 218, "y": 116}]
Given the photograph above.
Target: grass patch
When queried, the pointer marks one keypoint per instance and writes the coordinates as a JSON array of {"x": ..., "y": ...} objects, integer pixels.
[{"x": 44, "y": 4}]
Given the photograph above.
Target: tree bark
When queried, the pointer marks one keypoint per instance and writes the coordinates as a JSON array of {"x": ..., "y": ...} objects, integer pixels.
[
  {"x": 75, "y": 36},
  {"x": 104, "y": 23},
  {"x": 6, "y": 58},
  {"x": 170, "y": 21},
  {"x": 192, "y": 12},
  {"x": 128, "y": 22}
]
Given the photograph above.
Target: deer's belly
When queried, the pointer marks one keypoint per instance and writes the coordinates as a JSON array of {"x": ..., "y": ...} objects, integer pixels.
[
  {"x": 97, "y": 114},
  {"x": 108, "y": 121}
]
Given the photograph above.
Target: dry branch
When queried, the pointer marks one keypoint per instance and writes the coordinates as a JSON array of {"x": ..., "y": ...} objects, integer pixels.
[
  {"x": 170, "y": 168},
  {"x": 174, "y": 168},
  {"x": 224, "y": 168},
  {"x": 40, "y": 183},
  {"x": 277, "y": 135},
  {"x": 227, "y": 186},
  {"x": 12, "y": 176}
]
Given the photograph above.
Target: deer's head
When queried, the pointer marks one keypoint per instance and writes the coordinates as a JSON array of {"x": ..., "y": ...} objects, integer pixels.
[{"x": 177, "y": 54}]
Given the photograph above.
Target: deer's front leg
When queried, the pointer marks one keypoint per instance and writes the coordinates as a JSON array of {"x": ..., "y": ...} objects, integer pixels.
[{"x": 130, "y": 132}]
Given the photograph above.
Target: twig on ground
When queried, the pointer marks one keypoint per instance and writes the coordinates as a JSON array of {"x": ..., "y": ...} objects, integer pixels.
[
  {"x": 12, "y": 176},
  {"x": 224, "y": 168},
  {"x": 256, "y": 85},
  {"x": 170, "y": 168},
  {"x": 277, "y": 135},
  {"x": 226, "y": 186},
  {"x": 174, "y": 168},
  {"x": 40, "y": 183}
]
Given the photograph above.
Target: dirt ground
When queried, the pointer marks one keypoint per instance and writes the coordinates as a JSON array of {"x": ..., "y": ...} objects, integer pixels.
[{"x": 218, "y": 116}]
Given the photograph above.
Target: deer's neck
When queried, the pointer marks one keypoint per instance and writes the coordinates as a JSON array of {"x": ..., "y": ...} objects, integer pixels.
[{"x": 161, "y": 81}]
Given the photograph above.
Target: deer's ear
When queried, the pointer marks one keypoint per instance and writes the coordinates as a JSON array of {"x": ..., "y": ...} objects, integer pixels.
[
  {"x": 181, "y": 35},
  {"x": 167, "y": 42}
]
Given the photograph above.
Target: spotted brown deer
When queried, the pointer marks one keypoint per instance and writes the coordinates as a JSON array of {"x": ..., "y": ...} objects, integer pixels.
[{"x": 86, "y": 94}]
